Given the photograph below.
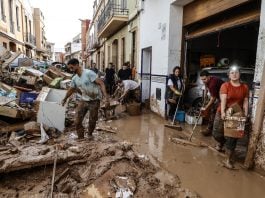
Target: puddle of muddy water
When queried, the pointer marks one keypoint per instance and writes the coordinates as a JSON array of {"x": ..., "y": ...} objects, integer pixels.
[{"x": 198, "y": 168}]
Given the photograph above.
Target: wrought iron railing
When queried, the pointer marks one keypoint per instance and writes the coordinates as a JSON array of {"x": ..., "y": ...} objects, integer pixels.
[
  {"x": 29, "y": 38},
  {"x": 109, "y": 11}
]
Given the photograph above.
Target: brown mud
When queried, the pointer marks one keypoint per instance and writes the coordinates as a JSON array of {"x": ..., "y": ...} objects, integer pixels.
[
  {"x": 100, "y": 167},
  {"x": 198, "y": 168},
  {"x": 131, "y": 156}
]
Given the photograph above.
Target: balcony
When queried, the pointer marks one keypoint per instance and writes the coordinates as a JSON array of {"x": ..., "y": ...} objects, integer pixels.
[
  {"x": 113, "y": 17},
  {"x": 30, "y": 40}
]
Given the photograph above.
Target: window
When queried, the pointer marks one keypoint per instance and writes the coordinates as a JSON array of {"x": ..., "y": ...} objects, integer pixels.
[
  {"x": 3, "y": 16},
  {"x": 5, "y": 45},
  {"x": 123, "y": 50},
  {"x": 26, "y": 22},
  {"x": 17, "y": 17},
  {"x": 30, "y": 32},
  {"x": 123, "y": 4},
  {"x": 133, "y": 48},
  {"x": 11, "y": 16}
]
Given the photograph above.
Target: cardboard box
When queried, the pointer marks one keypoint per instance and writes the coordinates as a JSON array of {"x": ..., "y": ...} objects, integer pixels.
[
  {"x": 50, "y": 110},
  {"x": 47, "y": 79},
  {"x": 9, "y": 112},
  {"x": 32, "y": 127},
  {"x": 53, "y": 74}
]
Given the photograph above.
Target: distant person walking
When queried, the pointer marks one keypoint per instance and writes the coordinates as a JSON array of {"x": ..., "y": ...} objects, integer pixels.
[
  {"x": 110, "y": 78},
  {"x": 124, "y": 73}
]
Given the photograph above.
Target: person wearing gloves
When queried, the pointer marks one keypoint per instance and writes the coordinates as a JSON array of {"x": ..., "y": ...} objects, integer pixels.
[
  {"x": 86, "y": 82},
  {"x": 175, "y": 88},
  {"x": 212, "y": 85},
  {"x": 231, "y": 93}
]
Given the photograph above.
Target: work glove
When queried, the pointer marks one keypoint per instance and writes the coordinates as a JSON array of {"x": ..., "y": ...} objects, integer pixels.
[{"x": 177, "y": 93}]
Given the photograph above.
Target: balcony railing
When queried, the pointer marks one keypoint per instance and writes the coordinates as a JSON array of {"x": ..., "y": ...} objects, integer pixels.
[
  {"x": 110, "y": 11},
  {"x": 29, "y": 38}
]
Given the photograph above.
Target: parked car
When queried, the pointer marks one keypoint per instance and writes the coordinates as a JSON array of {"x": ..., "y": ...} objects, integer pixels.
[{"x": 194, "y": 92}]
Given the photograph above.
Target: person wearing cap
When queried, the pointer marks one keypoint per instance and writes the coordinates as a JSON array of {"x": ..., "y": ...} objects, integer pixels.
[
  {"x": 232, "y": 92},
  {"x": 86, "y": 82},
  {"x": 212, "y": 85},
  {"x": 175, "y": 88}
]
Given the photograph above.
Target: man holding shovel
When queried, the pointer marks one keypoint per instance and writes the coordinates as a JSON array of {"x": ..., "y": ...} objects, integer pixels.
[
  {"x": 87, "y": 83},
  {"x": 212, "y": 85}
]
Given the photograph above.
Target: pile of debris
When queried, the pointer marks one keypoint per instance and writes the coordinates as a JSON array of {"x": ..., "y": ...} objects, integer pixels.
[{"x": 107, "y": 168}]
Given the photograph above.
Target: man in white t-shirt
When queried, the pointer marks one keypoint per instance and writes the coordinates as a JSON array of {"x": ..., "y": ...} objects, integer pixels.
[{"x": 131, "y": 90}]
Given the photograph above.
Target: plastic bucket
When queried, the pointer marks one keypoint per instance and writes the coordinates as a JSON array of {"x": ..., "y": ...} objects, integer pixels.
[{"x": 180, "y": 116}]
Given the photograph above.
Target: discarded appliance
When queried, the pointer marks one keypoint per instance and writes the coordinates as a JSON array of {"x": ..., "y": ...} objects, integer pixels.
[{"x": 50, "y": 110}]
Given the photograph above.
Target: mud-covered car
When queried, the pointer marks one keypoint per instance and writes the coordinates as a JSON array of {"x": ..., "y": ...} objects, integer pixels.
[{"x": 194, "y": 92}]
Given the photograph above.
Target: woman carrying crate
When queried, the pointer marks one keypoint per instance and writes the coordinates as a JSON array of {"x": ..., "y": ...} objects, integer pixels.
[{"x": 232, "y": 94}]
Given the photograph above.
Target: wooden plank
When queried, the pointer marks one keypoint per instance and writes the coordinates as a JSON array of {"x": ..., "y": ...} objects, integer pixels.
[
  {"x": 201, "y": 9},
  {"x": 13, "y": 127},
  {"x": 233, "y": 21},
  {"x": 257, "y": 126},
  {"x": 9, "y": 112}
]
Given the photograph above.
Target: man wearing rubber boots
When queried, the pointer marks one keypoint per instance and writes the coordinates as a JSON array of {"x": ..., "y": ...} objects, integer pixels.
[
  {"x": 212, "y": 85},
  {"x": 91, "y": 87}
]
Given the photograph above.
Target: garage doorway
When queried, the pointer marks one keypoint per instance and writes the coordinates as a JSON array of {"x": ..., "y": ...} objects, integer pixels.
[
  {"x": 233, "y": 46},
  {"x": 236, "y": 45}
]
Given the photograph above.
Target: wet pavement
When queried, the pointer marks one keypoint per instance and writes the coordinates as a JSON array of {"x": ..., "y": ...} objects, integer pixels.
[{"x": 199, "y": 169}]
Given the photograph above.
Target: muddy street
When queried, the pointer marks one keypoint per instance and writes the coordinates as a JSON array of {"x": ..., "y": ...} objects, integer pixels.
[{"x": 199, "y": 169}]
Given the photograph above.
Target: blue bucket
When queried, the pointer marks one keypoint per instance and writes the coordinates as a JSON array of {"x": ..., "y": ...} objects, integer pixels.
[{"x": 180, "y": 116}]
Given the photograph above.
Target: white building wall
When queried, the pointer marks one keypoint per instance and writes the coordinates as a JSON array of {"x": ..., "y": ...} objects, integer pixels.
[
  {"x": 160, "y": 29},
  {"x": 260, "y": 61}
]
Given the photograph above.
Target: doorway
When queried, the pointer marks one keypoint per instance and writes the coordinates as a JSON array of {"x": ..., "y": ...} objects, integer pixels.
[{"x": 146, "y": 68}]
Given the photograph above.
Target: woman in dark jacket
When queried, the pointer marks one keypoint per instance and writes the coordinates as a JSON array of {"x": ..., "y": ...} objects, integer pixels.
[{"x": 175, "y": 88}]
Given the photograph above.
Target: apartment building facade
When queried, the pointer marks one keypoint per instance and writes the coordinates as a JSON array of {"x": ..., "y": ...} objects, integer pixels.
[
  {"x": 14, "y": 29},
  {"x": 22, "y": 29},
  {"x": 41, "y": 40},
  {"x": 74, "y": 49},
  {"x": 114, "y": 33},
  {"x": 50, "y": 50}
]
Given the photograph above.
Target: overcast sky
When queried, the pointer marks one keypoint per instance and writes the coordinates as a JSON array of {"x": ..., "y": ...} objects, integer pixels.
[{"x": 61, "y": 18}]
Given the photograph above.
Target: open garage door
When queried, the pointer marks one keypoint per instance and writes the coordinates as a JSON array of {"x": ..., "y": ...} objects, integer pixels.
[
  {"x": 229, "y": 17},
  {"x": 226, "y": 23}
]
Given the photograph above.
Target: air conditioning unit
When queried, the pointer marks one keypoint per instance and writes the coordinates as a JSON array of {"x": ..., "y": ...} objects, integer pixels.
[{"x": 141, "y": 5}]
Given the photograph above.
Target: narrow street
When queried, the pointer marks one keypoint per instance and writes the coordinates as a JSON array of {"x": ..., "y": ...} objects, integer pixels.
[
  {"x": 132, "y": 98},
  {"x": 199, "y": 169}
]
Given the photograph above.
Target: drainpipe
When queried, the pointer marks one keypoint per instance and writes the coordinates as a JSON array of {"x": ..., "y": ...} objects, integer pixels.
[{"x": 258, "y": 124}]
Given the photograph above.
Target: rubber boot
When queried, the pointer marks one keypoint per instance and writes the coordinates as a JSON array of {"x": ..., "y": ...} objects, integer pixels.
[
  {"x": 229, "y": 163},
  {"x": 91, "y": 128},
  {"x": 80, "y": 133},
  {"x": 206, "y": 132}
]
